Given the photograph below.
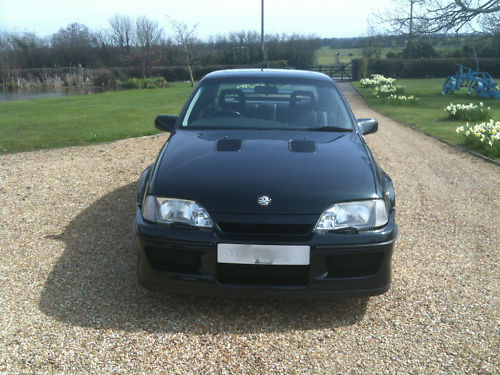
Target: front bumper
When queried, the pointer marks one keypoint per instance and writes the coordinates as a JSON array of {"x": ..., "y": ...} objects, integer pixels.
[{"x": 178, "y": 260}]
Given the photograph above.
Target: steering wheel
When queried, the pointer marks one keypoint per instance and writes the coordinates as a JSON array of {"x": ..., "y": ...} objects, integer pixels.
[{"x": 226, "y": 113}]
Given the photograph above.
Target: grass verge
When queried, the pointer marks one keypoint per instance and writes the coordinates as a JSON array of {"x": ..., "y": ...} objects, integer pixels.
[
  {"x": 33, "y": 124},
  {"x": 428, "y": 115}
]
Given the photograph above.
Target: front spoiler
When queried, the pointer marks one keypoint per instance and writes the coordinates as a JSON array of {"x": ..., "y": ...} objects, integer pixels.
[{"x": 319, "y": 285}]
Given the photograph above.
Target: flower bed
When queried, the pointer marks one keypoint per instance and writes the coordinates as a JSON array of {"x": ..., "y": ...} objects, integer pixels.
[
  {"x": 385, "y": 91},
  {"x": 485, "y": 135},
  {"x": 385, "y": 88},
  {"x": 468, "y": 112},
  {"x": 376, "y": 81},
  {"x": 402, "y": 100}
]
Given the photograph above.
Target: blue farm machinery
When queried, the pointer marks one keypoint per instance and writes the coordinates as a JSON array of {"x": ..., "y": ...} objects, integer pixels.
[{"x": 481, "y": 82}]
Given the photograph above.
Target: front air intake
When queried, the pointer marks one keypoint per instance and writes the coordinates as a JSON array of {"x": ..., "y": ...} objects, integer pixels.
[{"x": 250, "y": 274}]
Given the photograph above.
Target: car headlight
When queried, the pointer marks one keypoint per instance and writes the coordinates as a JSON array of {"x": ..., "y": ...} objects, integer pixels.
[
  {"x": 170, "y": 210},
  {"x": 359, "y": 215}
]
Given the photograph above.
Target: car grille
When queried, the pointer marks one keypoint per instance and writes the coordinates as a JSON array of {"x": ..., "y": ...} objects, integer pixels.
[
  {"x": 353, "y": 265},
  {"x": 250, "y": 274},
  {"x": 170, "y": 260},
  {"x": 277, "y": 229}
]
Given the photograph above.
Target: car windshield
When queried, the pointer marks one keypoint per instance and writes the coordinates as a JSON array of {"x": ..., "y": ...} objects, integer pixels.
[{"x": 267, "y": 103}]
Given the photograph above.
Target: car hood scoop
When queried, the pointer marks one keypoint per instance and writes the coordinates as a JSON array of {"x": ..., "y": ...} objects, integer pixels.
[
  {"x": 227, "y": 144},
  {"x": 302, "y": 146}
]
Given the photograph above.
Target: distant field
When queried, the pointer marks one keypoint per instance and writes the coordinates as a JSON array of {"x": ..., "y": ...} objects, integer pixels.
[
  {"x": 428, "y": 115},
  {"x": 327, "y": 55},
  {"x": 79, "y": 120}
]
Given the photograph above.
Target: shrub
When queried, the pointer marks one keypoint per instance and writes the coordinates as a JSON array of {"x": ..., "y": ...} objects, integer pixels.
[
  {"x": 419, "y": 49},
  {"x": 155, "y": 82},
  {"x": 105, "y": 78},
  {"x": 132, "y": 83},
  {"x": 485, "y": 135},
  {"x": 468, "y": 112},
  {"x": 148, "y": 83}
]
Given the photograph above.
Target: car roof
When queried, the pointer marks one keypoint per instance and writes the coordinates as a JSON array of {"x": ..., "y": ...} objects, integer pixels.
[{"x": 268, "y": 73}]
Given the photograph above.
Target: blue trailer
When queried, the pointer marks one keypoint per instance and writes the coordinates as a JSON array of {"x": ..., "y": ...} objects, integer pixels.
[{"x": 481, "y": 82}]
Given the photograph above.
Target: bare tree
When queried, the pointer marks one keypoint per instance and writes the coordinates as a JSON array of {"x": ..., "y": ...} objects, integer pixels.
[
  {"x": 427, "y": 17},
  {"x": 404, "y": 19},
  {"x": 148, "y": 33},
  {"x": 123, "y": 31},
  {"x": 373, "y": 43},
  {"x": 491, "y": 22},
  {"x": 445, "y": 16},
  {"x": 75, "y": 35},
  {"x": 8, "y": 61},
  {"x": 74, "y": 44},
  {"x": 148, "y": 37},
  {"x": 185, "y": 37}
]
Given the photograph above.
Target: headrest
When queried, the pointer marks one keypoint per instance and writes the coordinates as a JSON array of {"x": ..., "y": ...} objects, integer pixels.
[
  {"x": 302, "y": 100},
  {"x": 232, "y": 99}
]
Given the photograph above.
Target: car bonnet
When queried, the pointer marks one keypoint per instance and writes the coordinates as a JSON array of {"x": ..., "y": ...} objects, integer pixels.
[{"x": 300, "y": 172}]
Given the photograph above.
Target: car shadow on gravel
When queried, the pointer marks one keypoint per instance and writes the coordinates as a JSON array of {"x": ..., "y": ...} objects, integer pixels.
[{"x": 94, "y": 284}]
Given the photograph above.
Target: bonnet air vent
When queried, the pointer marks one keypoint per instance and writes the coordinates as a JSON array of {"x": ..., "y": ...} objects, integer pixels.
[
  {"x": 302, "y": 146},
  {"x": 228, "y": 145}
]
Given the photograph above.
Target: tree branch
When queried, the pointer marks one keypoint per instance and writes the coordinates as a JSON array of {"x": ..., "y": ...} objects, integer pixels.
[{"x": 488, "y": 7}]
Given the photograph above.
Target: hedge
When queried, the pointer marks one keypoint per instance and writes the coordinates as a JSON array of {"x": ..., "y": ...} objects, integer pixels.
[
  {"x": 180, "y": 73},
  {"x": 429, "y": 68},
  {"x": 362, "y": 67},
  {"x": 359, "y": 68},
  {"x": 110, "y": 76}
]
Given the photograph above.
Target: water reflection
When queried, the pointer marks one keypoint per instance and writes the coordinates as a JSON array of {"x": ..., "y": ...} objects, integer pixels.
[{"x": 44, "y": 92}]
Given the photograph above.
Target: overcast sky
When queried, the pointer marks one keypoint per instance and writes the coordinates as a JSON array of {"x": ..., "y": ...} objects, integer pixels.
[{"x": 325, "y": 18}]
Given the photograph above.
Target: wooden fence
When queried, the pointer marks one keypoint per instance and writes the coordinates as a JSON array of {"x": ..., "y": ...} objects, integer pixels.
[{"x": 341, "y": 71}]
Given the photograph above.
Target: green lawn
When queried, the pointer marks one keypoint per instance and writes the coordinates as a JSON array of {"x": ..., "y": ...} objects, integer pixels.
[
  {"x": 79, "y": 120},
  {"x": 428, "y": 115}
]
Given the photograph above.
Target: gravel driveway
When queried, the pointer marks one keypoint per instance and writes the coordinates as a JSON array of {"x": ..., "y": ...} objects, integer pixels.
[{"x": 70, "y": 302}]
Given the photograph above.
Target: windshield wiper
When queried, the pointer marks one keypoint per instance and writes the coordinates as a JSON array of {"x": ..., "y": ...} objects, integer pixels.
[{"x": 331, "y": 129}]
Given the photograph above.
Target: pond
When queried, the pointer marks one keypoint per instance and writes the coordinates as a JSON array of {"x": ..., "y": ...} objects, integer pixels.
[{"x": 45, "y": 92}]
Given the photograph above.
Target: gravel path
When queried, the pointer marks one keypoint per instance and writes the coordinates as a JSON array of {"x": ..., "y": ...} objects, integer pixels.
[{"x": 70, "y": 302}]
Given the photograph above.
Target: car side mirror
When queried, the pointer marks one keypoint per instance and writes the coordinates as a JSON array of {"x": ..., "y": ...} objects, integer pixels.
[
  {"x": 166, "y": 122},
  {"x": 368, "y": 125}
]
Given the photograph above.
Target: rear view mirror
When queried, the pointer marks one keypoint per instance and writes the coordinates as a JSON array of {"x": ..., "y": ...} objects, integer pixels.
[
  {"x": 368, "y": 125},
  {"x": 166, "y": 122}
]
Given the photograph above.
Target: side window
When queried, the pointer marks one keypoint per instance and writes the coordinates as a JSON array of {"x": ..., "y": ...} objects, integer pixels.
[{"x": 201, "y": 105}]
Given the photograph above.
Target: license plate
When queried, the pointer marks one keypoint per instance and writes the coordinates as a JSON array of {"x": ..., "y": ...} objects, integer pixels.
[{"x": 263, "y": 254}]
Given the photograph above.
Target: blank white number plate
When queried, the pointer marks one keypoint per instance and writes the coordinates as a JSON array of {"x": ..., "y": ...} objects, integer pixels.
[{"x": 263, "y": 254}]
